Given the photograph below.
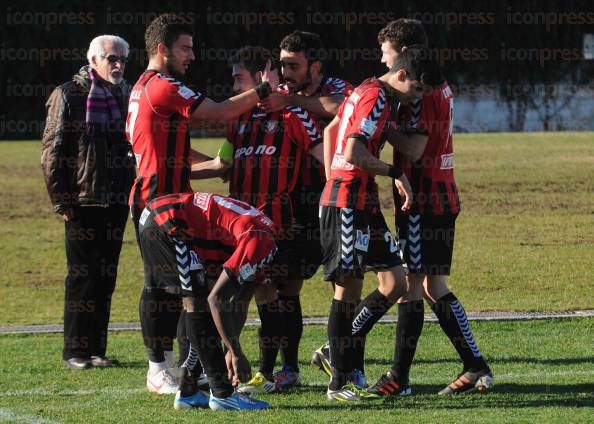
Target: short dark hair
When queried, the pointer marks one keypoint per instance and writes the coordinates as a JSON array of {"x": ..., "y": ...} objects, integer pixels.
[
  {"x": 403, "y": 32},
  {"x": 419, "y": 66},
  {"x": 252, "y": 58},
  {"x": 165, "y": 29},
  {"x": 302, "y": 41}
]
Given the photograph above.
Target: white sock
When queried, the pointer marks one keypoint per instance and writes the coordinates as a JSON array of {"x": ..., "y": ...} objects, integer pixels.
[
  {"x": 156, "y": 367},
  {"x": 170, "y": 359}
]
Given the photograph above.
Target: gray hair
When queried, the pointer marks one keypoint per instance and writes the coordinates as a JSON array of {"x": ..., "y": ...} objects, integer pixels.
[{"x": 96, "y": 46}]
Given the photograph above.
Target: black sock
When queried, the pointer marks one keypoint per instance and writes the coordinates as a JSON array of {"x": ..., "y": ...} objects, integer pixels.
[
  {"x": 183, "y": 342},
  {"x": 453, "y": 321},
  {"x": 368, "y": 312},
  {"x": 340, "y": 339},
  {"x": 270, "y": 335},
  {"x": 205, "y": 338},
  {"x": 408, "y": 330},
  {"x": 291, "y": 308},
  {"x": 159, "y": 313}
]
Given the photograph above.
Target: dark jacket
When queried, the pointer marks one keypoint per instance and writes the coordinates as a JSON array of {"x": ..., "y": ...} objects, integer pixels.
[{"x": 85, "y": 167}]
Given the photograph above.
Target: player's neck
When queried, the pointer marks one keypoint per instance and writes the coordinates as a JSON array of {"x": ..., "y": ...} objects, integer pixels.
[{"x": 159, "y": 66}]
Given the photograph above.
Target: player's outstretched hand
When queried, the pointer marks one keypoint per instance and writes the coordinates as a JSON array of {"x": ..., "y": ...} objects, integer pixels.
[
  {"x": 270, "y": 75},
  {"x": 405, "y": 191},
  {"x": 274, "y": 102}
]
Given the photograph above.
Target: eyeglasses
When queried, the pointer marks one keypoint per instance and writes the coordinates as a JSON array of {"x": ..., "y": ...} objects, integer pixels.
[{"x": 112, "y": 58}]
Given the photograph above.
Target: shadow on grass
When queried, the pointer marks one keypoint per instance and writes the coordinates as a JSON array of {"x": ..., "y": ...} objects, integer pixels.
[{"x": 504, "y": 396}]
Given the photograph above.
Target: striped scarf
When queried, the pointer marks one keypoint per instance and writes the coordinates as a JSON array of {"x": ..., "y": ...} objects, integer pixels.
[{"x": 102, "y": 106}]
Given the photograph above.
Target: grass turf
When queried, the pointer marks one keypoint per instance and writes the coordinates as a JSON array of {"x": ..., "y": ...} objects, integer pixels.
[
  {"x": 543, "y": 369},
  {"x": 524, "y": 240}
]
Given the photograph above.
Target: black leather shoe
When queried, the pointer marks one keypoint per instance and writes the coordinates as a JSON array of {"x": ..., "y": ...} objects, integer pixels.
[
  {"x": 78, "y": 363},
  {"x": 104, "y": 362}
]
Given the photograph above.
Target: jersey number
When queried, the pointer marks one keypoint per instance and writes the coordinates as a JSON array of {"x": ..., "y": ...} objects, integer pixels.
[
  {"x": 236, "y": 207},
  {"x": 132, "y": 113}
]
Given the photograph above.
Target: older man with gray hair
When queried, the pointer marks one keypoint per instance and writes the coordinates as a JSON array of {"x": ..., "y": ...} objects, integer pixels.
[{"x": 88, "y": 169}]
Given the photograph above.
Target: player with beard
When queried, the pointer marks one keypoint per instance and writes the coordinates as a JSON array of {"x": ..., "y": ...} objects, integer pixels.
[
  {"x": 161, "y": 109},
  {"x": 426, "y": 232},
  {"x": 308, "y": 88},
  {"x": 265, "y": 152}
]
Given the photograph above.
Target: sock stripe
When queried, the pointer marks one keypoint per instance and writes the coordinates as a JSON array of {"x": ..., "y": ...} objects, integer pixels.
[
  {"x": 192, "y": 358},
  {"x": 462, "y": 320},
  {"x": 361, "y": 319}
]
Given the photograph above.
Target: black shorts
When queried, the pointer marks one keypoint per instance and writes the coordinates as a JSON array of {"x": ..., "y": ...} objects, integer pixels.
[
  {"x": 169, "y": 263},
  {"x": 299, "y": 253},
  {"x": 354, "y": 242},
  {"x": 427, "y": 242}
]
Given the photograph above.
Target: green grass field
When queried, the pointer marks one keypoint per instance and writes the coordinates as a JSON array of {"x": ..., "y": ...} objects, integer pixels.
[
  {"x": 524, "y": 240},
  {"x": 544, "y": 371}
]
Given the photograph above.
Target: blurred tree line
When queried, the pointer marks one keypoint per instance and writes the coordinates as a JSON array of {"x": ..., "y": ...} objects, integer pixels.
[{"x": 516, "y": 51}]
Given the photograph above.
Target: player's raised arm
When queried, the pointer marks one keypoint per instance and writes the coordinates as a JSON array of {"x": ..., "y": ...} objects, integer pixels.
[
  {"x": 209, "y": 110},
  {"x": 226, "y": 110},
  {"x": 323, "y": 106}
]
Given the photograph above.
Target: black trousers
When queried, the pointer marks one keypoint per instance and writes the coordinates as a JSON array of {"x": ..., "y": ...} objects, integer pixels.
[{"x": 93, "y": 243}]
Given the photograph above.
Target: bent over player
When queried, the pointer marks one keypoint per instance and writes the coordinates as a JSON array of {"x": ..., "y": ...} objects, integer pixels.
[
  {"x": 176, "y": 232},
  {"x": 160, "y": 113}
]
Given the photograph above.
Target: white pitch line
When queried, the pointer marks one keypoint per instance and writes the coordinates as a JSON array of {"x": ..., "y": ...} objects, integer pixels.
[
  {"x": 10, "y": 416},
  {"x": 82, "y": 392}
]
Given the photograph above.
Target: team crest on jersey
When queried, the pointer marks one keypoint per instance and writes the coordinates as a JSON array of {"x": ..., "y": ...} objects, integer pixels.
[
  {"x": 185, "y": 92},
  {"x": 447, "y": 161},
  {"x": 271, "y": 126},
  {"x": 201, "y": 200},
  {"x": 195, "y": 262}
]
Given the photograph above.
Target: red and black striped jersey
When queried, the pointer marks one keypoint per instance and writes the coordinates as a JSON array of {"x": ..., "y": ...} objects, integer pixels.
[
  {"x": 210, "y": 223},
  {"x": 432, "y": 176},
  {"x": 157, "y": 128},
  {"x": 268, "y": 151},
  {"x": 363, "y": 115},
  {"x": 312, "y": 174}
]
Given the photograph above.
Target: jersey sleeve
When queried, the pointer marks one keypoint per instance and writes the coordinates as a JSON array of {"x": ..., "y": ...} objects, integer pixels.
[
  {"x": 367, "y": 116},
  {"x": 168, "y": 96},
  {"x": 338, "y": 86},
  {"x": 303, "y": 128}
]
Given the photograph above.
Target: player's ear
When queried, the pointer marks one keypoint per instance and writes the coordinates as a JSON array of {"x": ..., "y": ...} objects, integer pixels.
[
  {"x": 258, "y": 77},
  {"x": 316, "y": 67},
  {"x": 401, "y": 75},
  {"x": 162, "y": 49}
]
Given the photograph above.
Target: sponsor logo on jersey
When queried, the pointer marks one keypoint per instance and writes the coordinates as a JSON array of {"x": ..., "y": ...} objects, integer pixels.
[
  {"x": 201, "y": 200},
  {"x": 338, "y": 162},
  {"x": 362, "y": 241},
  {"x": 185, "y": 92},
  {"x": 262, "y": 149},
  {"x": 447, "y": 161}
]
